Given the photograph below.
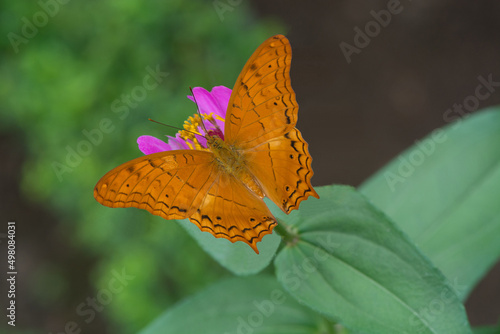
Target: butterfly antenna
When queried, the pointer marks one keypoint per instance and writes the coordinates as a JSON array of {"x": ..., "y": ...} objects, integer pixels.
[
  {"x": 198, "y": 111},
  {"x": 173, "y": 127}
]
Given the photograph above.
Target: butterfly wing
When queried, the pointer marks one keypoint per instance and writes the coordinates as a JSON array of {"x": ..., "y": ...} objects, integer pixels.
[
  {"x": 188, "y": 184},
  {"x": 262, "y": 104},
  {"x": 283, "y": 167},
  {"x": 261, "y": 119},
  {"x": 169, "y": 184},
  {"x": 231, "y": 211}
]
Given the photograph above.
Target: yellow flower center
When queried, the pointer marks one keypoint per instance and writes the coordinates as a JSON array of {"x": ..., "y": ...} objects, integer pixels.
[{"x": 191, "y": 128}]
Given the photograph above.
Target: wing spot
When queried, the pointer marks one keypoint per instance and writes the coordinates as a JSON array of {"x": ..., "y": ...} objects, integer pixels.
[
  {"x": 218, "y": 218},
  {"x": 291, "y": 156},
  {"x": 252, "y": 219},
  {"x": 287, "y": 188},
  {"x": 128, "y": 185}
]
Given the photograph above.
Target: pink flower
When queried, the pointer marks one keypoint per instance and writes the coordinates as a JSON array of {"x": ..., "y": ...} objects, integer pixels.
[{"x": 212, "y": 106}]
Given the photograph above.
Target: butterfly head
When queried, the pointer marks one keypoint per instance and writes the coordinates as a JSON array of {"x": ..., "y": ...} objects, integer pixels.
[{"x": 214, "y": 140}]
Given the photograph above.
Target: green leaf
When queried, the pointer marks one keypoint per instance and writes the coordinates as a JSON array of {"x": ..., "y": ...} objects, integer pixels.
[
  {"x": 444, "y": 192},
  {"x": 349, "y": 262},
  {"x": 238, "y": 257},
  {"x": 255, "y": 304}
]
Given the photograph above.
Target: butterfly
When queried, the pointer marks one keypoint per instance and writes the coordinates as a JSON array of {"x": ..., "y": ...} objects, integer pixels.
[{"x": 221, "y": 188}]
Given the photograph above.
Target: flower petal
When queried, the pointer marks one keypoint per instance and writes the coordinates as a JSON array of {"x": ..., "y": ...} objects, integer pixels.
[
  {"x": 177, "y": 143},
  {"x": 150, "y": 145},
  {"x": 202, "y": 141},
  {"x": 212, "y": 102},
  {"x": 206, "y": 103},
  {"x": 222, "y": 95}
]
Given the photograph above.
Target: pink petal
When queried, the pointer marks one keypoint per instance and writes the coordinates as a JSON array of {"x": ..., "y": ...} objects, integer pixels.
[
  {"x": 220, "y": 124},
  {"x": 222, "y": 95},
  {"x": 212, "y": 102},
  {"x": 177, "y": 143},
  {"x": 202, "y": 141},
  {"x": 206, "y": 102},
  {"x": 150, "y": 145}
]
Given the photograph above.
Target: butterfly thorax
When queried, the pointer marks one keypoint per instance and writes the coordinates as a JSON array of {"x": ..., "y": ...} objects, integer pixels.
[{"x": 230, "y": 160}]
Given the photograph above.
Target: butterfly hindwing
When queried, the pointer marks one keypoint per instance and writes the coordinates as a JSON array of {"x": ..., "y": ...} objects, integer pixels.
[
  {"x": 283, "y": 167},
  {"x": 231, "y": 211},
  {"x": 169, "y": 184},
  {"x": 262, "y": 104}
]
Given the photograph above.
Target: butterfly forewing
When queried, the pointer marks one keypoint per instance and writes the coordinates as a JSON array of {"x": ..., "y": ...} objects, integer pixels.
[
  {"x": 260, "y": 121},
  {"x": 169, "y": 184},
  {"x": 262, "y": 105}
]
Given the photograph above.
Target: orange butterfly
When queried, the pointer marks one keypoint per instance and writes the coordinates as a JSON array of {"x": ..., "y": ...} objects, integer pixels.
[{"x": 220, "y": 186}]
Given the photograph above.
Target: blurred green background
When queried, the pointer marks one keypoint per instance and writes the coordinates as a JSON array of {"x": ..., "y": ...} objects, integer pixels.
[{"x": 67, "y": 67}]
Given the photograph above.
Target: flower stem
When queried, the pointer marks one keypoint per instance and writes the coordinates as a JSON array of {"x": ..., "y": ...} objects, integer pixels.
[{"x": 289, "y": 233}]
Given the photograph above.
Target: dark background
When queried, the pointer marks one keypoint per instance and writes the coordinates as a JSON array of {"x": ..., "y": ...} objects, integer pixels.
[{"x": 356, "y": 117}]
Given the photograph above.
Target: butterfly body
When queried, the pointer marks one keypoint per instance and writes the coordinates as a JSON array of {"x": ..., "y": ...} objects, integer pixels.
[
  {"x": 231, "y": 161},
  {"x": 221, "y": 187}
]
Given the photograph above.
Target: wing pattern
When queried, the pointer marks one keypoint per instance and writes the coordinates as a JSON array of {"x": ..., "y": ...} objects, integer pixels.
[
  {"x": 230, "y": 210},
  {"x": 263, "y": 105},
  {"x": 283, "y": 167},
  {"x": 168, "y": 184}
]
